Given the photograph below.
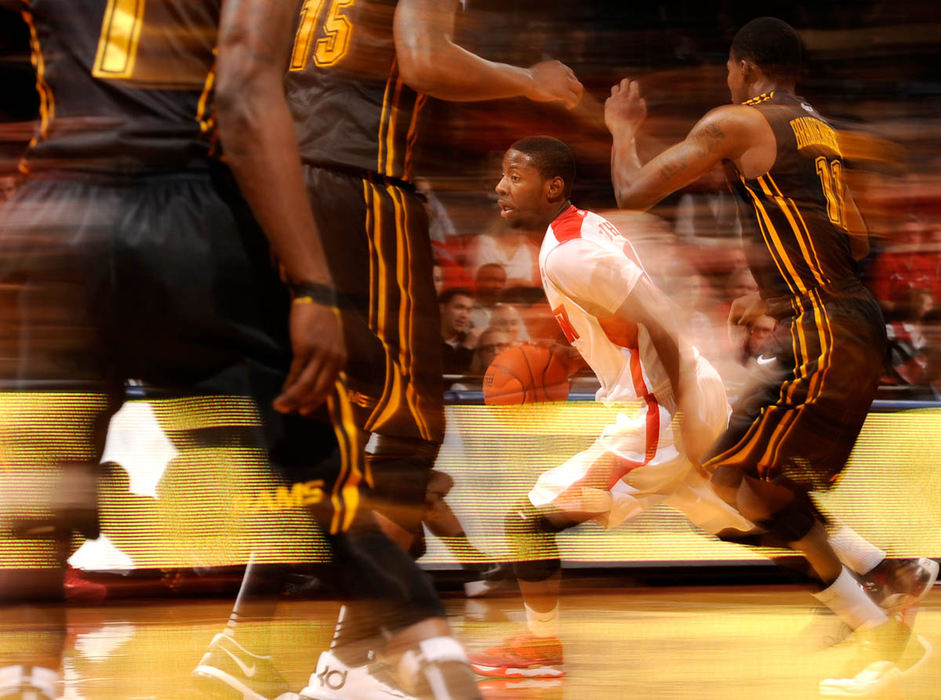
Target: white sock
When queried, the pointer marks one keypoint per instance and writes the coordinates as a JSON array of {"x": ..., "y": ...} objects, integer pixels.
[
  {"x": 849, "y": 601},
  {"x": 12, "y": 678},
  {"x": 543, "y": 624},
  {"x": 855, "y": 552}
]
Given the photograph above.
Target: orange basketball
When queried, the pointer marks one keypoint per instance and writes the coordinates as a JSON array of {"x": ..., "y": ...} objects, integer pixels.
[{"x": 526, "y": 374}]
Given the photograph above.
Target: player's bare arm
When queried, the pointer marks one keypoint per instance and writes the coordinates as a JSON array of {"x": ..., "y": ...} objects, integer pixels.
[
  {"x": 257, "y": 134},
  {"x": 649, "y": 307},
  {"x": 730, "y": 132},
  {"x": 431, "y": 63}
]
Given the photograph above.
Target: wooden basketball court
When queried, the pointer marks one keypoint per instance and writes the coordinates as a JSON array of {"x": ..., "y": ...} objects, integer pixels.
[{"x": 756, "y": 642}]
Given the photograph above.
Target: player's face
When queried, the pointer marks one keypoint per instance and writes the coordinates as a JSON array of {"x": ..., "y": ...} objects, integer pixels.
[{"x": 522, "y": 193}]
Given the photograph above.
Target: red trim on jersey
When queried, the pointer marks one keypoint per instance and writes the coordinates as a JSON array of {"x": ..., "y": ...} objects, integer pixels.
[
  {"x": 653, "y": 422},
  {"x": 567, "y": 226},
  {"x": 561, "y": 315},
  {"x": 619, "y": 331}
]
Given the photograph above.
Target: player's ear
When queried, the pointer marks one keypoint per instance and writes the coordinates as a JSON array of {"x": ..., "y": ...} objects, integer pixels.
[
  {"x": 556, "y": 189},
  {"x": 750, "y": 71}
]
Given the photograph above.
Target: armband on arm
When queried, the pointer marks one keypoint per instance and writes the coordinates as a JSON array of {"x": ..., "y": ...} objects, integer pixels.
[{"x": 313, "y": 293}]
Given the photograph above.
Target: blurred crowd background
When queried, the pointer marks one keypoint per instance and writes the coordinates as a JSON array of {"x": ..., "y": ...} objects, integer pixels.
[{"x": 871, "y": 66}]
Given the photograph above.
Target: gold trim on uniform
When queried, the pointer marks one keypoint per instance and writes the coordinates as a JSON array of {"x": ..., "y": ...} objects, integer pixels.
[
  {"x": 345, "y": 494},
  {"x": 412, "y": 135},
  {"x": 775, "y": 247},
  {"x": 407, "y": 341},
  {"x": 47, "y": 103},
  {"x": 763, "y": 97},
  {"x": 205, "y": 117},
  {"x": 801, "y": 235},
  {"x": 383, "y": 116},
  {"x": 391, "y": 126}
]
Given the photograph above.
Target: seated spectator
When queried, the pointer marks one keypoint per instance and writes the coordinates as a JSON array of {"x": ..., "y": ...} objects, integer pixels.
[
  {"x": 707, "y": 209},
  {"x": 539, "y": 323},
  {"x": 904, "y": 265},
  {"x": 490, "y": 281},
  {"x": 757, "y": 334},
  {"x": 491, "y": 343},
  {"x": 907, "y": 342},
  {"x": 739, "y": 283},
  {"x": 457, "y": 345},
  {"x": 507, "y": 318},
  {"x": 7, "y": 187},
  {"x": 512, "y": 249}
]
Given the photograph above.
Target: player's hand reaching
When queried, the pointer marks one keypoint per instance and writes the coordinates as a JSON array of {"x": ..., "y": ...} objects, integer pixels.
[
  {"x": 554, "y": 81},
  {"x": 746, "y": 309},
  {"x": 625, "y": 110},
  {"x": 319, "y": 353}
]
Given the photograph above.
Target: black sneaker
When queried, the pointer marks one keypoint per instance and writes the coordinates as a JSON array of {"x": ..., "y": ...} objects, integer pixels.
[{"x": 487, "y": 578}]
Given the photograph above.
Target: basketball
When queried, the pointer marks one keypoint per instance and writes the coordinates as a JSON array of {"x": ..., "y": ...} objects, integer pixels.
[{"x": 526, "y": 374}]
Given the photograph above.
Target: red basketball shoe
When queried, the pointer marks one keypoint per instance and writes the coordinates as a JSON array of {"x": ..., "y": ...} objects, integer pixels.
[{"x": 522, "y": 656}]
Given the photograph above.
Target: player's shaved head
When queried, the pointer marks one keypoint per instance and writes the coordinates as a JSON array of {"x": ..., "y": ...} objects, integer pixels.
[
  {"x": 772, "y": 45},
  {"x": 551, "y": 157}
]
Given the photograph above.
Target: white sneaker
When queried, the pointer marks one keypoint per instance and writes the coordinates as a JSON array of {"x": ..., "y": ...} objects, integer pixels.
[
  {"x": 334, "y": 680},
  {"x": 876, "y": 677}
]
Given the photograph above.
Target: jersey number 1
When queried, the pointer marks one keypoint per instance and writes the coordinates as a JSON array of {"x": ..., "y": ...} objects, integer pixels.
[
  {"x": 336, "y": 29},
  {"x": 117, "y": 44},
  {"x": 831, "y": 179}
]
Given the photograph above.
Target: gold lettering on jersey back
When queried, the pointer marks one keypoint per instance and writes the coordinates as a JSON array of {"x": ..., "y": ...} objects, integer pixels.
[
  {"x": 810, "y": 131},
  {"x": 337, "y": 30},
  {"x": 120, "y": 34}
]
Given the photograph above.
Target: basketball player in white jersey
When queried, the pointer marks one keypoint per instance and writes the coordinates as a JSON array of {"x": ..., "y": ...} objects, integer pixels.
[{"x": 625, "y": 329}]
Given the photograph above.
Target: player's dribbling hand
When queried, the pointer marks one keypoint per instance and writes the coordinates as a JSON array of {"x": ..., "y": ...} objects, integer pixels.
[
  {"x": 625, "y": 109},
  {"x": 553, "y": 81},
  {"x": 318, "y": 355}
]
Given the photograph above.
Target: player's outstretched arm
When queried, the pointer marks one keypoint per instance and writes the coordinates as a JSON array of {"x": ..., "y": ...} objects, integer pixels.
[
  {"x": 258, "y": 137},
  {"x": 725, "y": 133},
  {"x": 431, "y": 63}
]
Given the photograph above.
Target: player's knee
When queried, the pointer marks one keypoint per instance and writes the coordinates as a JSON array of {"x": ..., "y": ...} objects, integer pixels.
[
  {"x": 388, "y": 447},
  {"x": 439, "y": 486},
  {"x": 725, "y": 482},
  {"x": 531, "y": 535},
  {"x": 791, "y": 523},
  {"x": 401, "y": 470}
]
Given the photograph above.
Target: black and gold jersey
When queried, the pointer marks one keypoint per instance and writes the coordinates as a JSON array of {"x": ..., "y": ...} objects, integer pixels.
[
  {"x": 123, "y": 84},
  {"x": 350, "y": 107},
  {"x": 797, "y": 238}
]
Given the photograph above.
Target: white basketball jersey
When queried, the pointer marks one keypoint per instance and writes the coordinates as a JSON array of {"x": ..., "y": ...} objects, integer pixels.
[{"x": 586, "y": 262}]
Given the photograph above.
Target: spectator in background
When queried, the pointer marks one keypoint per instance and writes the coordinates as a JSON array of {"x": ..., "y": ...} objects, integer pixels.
[
  {"x": 518, "y": 255},
  {"x": 906, "y": 264},
  {"x": 490, "y": 281},
  {"x": 7, "y": 188},
  {"x": 931, "y": 331},
  {"x": 491, "y": 343},
  {"x": 457, "y": 344},
  {"x": 533, "y": 307},
  {"x": 739, "y": 283},
  {"x": 508, "y": 319},
  {"x": 907, "y": 334},
  {"x": 708, "y": 210},
  {"x": 437, "y": 274},
  {"x": 757, "y": 334}
]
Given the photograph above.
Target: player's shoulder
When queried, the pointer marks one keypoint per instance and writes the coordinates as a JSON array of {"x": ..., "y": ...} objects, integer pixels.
[{"x": 575, "y": 223}]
